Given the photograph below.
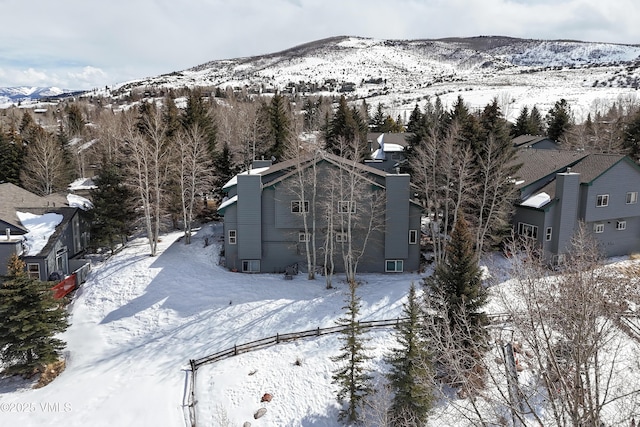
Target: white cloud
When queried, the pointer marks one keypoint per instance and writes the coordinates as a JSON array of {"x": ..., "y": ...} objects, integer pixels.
[{"x": 120, "y": 40}]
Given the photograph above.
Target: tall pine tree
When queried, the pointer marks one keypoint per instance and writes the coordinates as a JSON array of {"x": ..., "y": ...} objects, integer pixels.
[
  {"x": 410, "y": 375},
  {"x": 351, "y": 377},
  {"x": 29, "y": 320}
]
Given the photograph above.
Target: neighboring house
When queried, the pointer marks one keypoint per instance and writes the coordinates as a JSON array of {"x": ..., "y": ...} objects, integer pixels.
[
  {"x": 560, "y": 188},
  {"x": 48, "y": 235},
  {"x": 387, "y": 150},
  {"x": 264, "y": 217},
  {"x": 535, "y": 141}
]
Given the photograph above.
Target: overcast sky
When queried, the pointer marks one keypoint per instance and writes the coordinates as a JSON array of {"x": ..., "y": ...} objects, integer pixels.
[{"x": 82, "y": 44}]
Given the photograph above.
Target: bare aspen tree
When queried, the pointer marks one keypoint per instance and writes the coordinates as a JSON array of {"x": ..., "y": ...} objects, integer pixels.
[
  {"x": 149, "y": 153},
  {"x": 567, "y": 322},
  {"x": 304, "y": 186},
  {"x": 194, "y": 173},
  {"x": 443, "y": 173},
  {"x": 497, "y": 192},
  {"x": 356, "y": 213},
  {"x": 44, "y": 168}
]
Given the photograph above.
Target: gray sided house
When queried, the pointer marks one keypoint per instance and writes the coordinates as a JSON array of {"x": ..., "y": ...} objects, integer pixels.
[
  {"x": 64, "y": 247},
  {"x": 388, "y": 150},
  {"x": 558, "y": 189},
  {"x": 266, "y": 208}
]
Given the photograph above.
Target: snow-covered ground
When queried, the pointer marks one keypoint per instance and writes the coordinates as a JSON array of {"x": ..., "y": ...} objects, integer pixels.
[{"x": 138, "y": 321}]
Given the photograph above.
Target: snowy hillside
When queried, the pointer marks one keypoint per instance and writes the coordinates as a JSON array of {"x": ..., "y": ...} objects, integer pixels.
[
  {"x": 401, "y": 73},
  {"x": 138, "y": 320},
  {"x": 8, "y": 94}
]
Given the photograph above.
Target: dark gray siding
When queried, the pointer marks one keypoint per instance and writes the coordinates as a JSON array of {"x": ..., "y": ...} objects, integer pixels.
[
  {"x": 231, "y": 251},
  {"x": 565, "y": 221},
  {"x": 7, "y": 249},
  {"x": 396, "y": 242},
  {"x": 616, "y": 182},
  {"x": 249, "y": 217}
]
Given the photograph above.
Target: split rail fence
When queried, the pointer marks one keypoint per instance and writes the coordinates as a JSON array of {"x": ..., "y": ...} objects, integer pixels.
[{"x": 268, "y": 342}]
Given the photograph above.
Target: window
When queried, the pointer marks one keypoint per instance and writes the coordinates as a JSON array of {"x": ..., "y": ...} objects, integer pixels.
[
  {"x": 621, "y": 225},
  {"x": 632, "y": 197},
  {"x": 527, "y": 230},
  {"x": 548, "y": 234},
  {"x": 33, "y": 270},
  {"x": 298, "y": 206},
  {"x": 413, "y": 237},
  {"x": 602, "y": 200},
  {"x": 598, "y": 228},
  {"x": 251, "y": 266},
  {"x": 342, "y": 237},
  {"x": 304, "y": 237},
  {"x": 346, "y": 207},
  {"x": 394, "y": 266},
  {"x": 233, "y": 238}
]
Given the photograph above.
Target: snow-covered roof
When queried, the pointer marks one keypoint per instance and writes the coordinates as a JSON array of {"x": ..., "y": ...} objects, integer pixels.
[
  {"x": 392, "y": 148},
  {"x": 76, "y": 201},
  {"x": 537, "y": 201},
  {"x": 234, "y": 181},
  {"x": 82, "y": 184},
  {"x": 228, "y": 202},
  {"x": 40, "y": 227}
]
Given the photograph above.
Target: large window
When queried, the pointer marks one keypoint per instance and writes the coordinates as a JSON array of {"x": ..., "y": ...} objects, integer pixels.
[
  {"x": 527, "y": 230},
  {"x": 233, "y": 237},
  {"x": 346, "y": 207},
  {"x": 394, "y": 266},
  {"x": 602, "y": 200},
  {"x": 342, "y": 237},
  {"x": 304, "y": 237},
  {"x": 413, "y": 237},
  {"x": 632, "y": 197},
  {"x": 33, "y": 270},
  {"x": 299, "y": 206},
  {"x": 251, "y": 266}
]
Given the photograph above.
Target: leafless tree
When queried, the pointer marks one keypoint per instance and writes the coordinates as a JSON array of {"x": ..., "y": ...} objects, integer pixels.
[
  {"x": 442, "y": 170},
  {"x": 193, "y": 173},
  {"x": 149, "y": 159},
  {"x": 44, "y": 166},
  {"x": 568, "y": 326}
]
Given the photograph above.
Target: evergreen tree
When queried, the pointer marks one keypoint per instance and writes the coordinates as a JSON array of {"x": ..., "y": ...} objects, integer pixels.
[
  {"x": 225, "y": 169},
  {"x": 377, "y": 122},
  {"x": 10, "y": 160},
  {"x": 113, "y": 211},
  {"x": 411, "y": 372},
  {"x": 559, "y": 120},
  {"x": 75, "y": 121},
  {"x": 171, "y": 115},
  {"x": 536, "y": 124},
  {"x": 631, "y": 139},
  {"x": 29, "y": 319},
  {"x": 415, "y": 120},
  {"x": 347, "y": 132},
  {"x": 280, "y": 126},
  {"x": 522, "y": 125},
  {"x": 458, "y": 281},
  {"x": 198, "y": 113},
  {"x": 353, "y": 381}
]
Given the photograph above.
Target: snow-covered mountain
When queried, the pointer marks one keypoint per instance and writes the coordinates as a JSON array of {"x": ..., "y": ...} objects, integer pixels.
[
  {"x": 25, "y": 92},
  {"x": 399, "y": 73}
]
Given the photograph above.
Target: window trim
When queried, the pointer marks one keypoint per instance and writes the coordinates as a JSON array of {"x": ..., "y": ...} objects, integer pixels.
[
  {"x": 632, "y": 197},
  {"x": 344, "y": 206},
  {"x": 413, "y": 237},
  {"x": 548, "y": 234},
  {"x": 342, "y": 237},
  {"x": 298, "y": 204},
  {"x": 396, "y": 263},
  {"x": 523, "y": 226},
  {"x": 303, "y": 237},
  {"x": 621, "y": 225},
  {"x": 602, "y": 200},
  {"x": 232, "y": 237},
  {"x": 598, "y": 227},
  {"x": 248, "y": 263},
  {"x": 32, "y": 273}
]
